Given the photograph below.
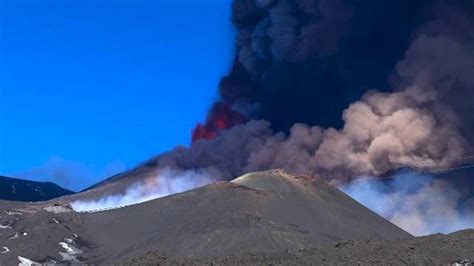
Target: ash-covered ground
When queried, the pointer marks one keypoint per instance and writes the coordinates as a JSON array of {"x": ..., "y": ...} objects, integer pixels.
[
  {"x": 428, "y": 250},
  {"x": 260, "y": 218}
]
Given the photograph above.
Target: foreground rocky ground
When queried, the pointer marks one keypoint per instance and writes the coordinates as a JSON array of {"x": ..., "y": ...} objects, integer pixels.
[
  {"x": 260, "y": 218},
  {"x": 429, "y": 250}
]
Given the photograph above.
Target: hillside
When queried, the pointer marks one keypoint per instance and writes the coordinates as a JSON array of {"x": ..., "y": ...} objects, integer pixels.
[
  {"x": 26, "y": 190},
  {"x": 266, "y": 212}
]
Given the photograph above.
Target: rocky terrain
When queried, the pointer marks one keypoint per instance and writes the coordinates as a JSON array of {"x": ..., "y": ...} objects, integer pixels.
[
  {"x": 429, "y": 250},
  {"x": 264, "y": 217}
]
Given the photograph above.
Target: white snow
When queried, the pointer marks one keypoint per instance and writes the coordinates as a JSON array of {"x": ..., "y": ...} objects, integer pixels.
[
  {"x": 13, "y": 213},
  {"x": 27, "y": 262},
  {"x": 66, "y": 247},
  {"x": 5, "y": 250},
  {"x": 57, "y": 209},
  {"x": 71, "y": 251}
]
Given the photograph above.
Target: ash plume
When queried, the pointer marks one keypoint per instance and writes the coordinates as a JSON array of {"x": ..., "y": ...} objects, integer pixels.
[
  {"x": 421, "y": 123},
  {"x": 307, "y": 60},
  {"x": 340, "y": 89}
]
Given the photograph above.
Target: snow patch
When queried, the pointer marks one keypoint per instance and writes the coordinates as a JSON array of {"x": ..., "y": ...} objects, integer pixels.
[
  {"x": 5, "y": 226},
  {"x": 13, "y": 213},
  {"x": 27, "y": 262},
  {"x": 57, "y": 209},
  {"x": 71, "y": 251}
]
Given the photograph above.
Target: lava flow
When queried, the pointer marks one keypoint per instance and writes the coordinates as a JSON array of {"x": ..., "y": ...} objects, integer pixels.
[{"x": 220, "y": 117}]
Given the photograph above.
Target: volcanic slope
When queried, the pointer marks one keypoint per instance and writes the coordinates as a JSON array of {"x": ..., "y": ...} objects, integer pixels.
[{"x": 265, "y": 212}]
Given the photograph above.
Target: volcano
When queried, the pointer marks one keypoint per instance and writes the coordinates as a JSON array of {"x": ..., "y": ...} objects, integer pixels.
[
  {"x": 257, "y": 218},
  {"x": 264, "y": 212}
]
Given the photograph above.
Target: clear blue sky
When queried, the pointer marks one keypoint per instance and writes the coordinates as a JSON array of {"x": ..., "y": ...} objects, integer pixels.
[{"x": 91, "y": 87}]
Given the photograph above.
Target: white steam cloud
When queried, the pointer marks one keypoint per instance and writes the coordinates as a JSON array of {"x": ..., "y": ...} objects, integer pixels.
[
  {"x": 417, "y": 203},
  {"x": 167, "y": 182}
]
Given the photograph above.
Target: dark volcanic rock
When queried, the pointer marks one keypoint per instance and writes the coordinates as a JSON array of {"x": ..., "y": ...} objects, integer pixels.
[
  {"x": 26, "y": 190},
  {"x": 257, "y": 218}
]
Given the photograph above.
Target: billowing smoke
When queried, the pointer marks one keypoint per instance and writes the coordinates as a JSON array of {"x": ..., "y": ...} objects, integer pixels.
[
  {"x": 340, "y": 89},
  {"x": 165, "y": 182},
  {"x": 421, "y": 124},
  {"x": 308, "y": 60},
  {"x": 417, "y": 203}
]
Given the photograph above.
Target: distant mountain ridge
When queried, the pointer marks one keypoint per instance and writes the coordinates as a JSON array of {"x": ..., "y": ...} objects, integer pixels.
[{"x": 26, "y": 190}]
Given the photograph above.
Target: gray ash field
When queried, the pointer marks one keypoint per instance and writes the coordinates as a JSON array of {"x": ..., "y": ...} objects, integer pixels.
[
  {"x": 265, "y": 217},
  {"x": 429, "y": 250}
]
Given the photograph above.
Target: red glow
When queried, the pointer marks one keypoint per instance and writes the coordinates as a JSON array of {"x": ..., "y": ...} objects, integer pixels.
[{"x": 220, "y": 117}]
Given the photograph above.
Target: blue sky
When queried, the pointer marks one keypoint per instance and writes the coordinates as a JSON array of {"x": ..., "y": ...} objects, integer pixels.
[{"x": 89, "y": 88}]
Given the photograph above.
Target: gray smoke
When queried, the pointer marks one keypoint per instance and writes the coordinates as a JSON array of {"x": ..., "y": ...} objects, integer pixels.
[
  {"x": 421, "y": 124},
  {"x": 282, "y": 35},
  {"x": 417, "y": 203},
  {"x": 307, "y": 60},
  {"x": 288, "y": 48}
]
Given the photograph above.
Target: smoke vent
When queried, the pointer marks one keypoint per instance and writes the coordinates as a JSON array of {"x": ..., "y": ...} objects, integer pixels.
[{"x": 273, "y": 181}]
